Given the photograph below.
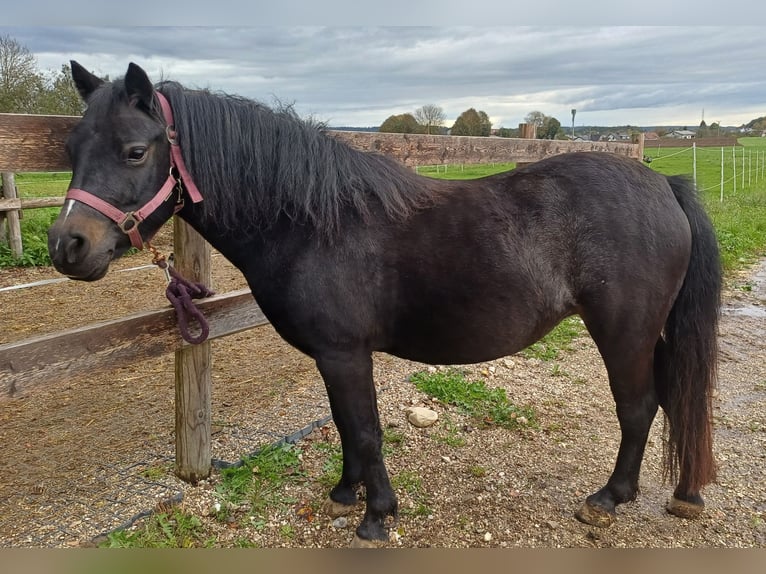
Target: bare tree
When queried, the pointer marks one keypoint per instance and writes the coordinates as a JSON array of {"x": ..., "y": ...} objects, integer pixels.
[
  {"x": 20, "y": 83},
  {"x": 430, "y": 116}
]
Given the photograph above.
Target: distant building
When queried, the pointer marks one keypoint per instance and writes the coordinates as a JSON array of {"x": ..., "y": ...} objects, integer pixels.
[
  {"x": 682, "y": 134},
  {"x": 651, "y": 136}
]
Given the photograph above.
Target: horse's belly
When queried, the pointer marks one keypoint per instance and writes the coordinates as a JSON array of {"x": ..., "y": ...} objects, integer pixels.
[{"x": 462, "y": 340}]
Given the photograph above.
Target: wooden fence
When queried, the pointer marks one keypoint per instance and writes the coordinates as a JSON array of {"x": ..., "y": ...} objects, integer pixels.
[{"x": 36, "y": 143}]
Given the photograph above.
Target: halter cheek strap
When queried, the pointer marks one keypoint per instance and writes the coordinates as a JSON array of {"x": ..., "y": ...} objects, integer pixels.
[{"x": 178, "y": 179}]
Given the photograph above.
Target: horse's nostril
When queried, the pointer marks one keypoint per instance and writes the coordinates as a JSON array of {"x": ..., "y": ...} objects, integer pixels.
[{"x": 75, "y": 247}]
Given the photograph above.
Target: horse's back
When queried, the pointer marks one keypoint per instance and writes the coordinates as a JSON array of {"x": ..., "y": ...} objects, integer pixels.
[{"x": 503, "y": 259}]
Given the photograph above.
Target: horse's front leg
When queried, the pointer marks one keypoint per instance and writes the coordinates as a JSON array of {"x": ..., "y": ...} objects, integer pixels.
[{"x": 350, "y": 388}]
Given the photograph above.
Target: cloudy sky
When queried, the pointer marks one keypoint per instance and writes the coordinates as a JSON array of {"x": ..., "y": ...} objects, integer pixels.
[{"x": 359, "y": 75}]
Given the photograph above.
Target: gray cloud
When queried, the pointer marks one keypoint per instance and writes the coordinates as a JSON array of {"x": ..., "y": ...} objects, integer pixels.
[{"x": 360, "y": 75}]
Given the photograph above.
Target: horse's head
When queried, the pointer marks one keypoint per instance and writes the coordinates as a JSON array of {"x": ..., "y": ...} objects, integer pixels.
[{"x": 120, "y": 158}]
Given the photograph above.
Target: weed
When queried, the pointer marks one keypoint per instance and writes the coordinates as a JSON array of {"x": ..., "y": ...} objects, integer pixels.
[
  {"x": 557, "y": 371},
  {"x": 244, "y": 542},
  {"x": 155, "y": 472},
  {"x": 408, "y": 481},
  {"x": 450, "y": 434},
  {"x": 478, "y": 471}
]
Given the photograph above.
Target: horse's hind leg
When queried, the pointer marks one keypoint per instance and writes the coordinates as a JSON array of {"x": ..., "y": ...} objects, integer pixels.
[
  {"x": 628, "y": 357},
  {"x": 350, "y": 388}
]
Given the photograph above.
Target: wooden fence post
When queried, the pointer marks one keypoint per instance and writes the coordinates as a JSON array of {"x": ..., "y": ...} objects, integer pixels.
[
  {"x": 193, "y": 378},
  {"x": 12, "y": 221}
]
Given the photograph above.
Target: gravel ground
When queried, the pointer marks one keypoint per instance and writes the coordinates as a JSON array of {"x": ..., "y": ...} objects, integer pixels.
[{"x": 91, "y": 455}]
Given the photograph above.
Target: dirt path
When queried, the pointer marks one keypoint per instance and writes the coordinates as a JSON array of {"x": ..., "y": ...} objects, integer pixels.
[{"x": 87, "y": 456}]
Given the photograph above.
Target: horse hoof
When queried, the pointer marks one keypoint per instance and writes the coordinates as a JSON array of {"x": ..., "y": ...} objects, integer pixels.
[
  {"x": 595, "y": 516},
  {"x": 364, "y": 543},
  {"x": 335, "y": 509},
  {"x": 684, "y": 509}
]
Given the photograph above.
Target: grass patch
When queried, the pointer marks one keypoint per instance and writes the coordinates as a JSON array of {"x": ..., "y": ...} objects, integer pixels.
[
  {"x": 34, "y": 238},
  {"x": 464, "y": 171},
  {"x": 412, "y": 484},
  {"x": 489, "y": 407},
  {"x": 173, "y": 529},
  {"x": 332, "y": 468},
  {"x": 560, "y": 339},
  {"x": 259, "y": 481}
]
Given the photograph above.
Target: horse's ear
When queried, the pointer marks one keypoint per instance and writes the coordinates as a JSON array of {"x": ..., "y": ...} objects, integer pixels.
[
  {"x": 139, "y": 86},
  {"x": 85, "y": 82}
]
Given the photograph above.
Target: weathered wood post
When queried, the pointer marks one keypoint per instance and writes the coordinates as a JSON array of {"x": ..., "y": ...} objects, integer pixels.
[
  {"x": 193, "y": 364},
  {"x": 527, "y": 132},
  {"x": 12, "y": 220},
  {"x": 639, "y": 140}
]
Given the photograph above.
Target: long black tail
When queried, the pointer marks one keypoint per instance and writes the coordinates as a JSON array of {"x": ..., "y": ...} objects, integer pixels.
[{"x": 686, "y": 361}]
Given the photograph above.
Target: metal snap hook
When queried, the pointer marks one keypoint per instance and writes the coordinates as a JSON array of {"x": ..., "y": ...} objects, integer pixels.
[{"x": 171, "y": 134}]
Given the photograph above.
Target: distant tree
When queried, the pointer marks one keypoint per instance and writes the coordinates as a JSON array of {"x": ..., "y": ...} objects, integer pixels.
[
  {"x": 472, "y": 123},
  {"x": 431, "y": 117},
  {"x": 20, "y": 83},
  {"x": 60, "y": 96},
  {"x": 550, "y": 129},
  {"x": 508, "y": 132},
  {"x": 486, "y": 124},
  {"x": 401, "y": 124}
]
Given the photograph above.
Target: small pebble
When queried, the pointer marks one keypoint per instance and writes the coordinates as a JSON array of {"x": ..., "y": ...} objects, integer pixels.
[{"x": 340, "y": 522}]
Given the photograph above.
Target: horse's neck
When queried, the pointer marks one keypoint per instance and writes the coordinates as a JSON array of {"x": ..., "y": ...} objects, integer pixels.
[{"x": 259, "y": 254}]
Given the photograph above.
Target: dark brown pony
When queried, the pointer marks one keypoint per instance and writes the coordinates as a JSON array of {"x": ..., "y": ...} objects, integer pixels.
[{"x": 349, "y": 253}]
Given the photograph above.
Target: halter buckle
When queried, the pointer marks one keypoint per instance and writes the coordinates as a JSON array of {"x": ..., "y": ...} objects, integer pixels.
[{"x": 129, "y": 223}]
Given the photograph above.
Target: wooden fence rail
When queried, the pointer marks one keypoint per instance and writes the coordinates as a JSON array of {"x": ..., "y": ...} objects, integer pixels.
[{"x": 36, "y": 143}]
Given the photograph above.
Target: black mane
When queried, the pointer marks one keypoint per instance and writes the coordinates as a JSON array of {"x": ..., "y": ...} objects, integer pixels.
[{"x": 248, "y": 159}]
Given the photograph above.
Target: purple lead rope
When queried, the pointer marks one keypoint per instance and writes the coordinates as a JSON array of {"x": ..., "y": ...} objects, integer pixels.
[{"x": 181, "y": 292}]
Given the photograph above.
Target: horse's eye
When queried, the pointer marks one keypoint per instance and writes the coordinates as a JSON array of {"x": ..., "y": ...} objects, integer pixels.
[{"x": 136, "y": 154}]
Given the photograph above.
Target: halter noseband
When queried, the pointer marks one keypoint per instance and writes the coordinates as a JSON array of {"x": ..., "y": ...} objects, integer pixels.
[{"x": 178, "y": 179}]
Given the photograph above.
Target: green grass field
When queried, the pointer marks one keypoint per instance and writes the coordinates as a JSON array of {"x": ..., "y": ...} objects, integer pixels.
[
  {"x": 738, "y": 211},
  {"x": 738, "y": 207},
  {"x": 35, "y": 222}
]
